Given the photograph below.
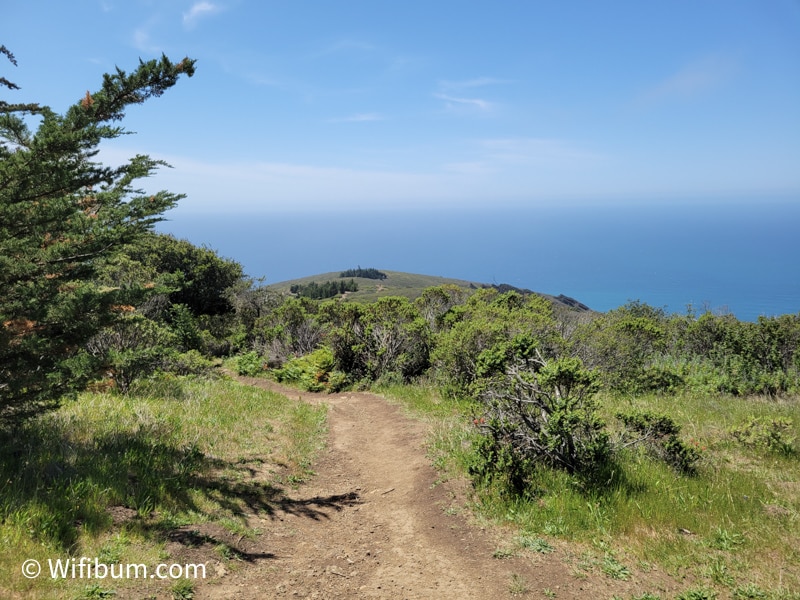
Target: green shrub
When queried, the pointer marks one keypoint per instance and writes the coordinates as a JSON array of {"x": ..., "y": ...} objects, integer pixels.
[
  {"x": 188, "y": 363},
  {"x": 337, "y": 381},
  {"x": 541, "y": 414},
  {"x": 659, "y": 435},
  {"x": 370, "y": 340},
  {"x": 133, "y": 348},
  {"x": 312, "y": 372},
  {"x": 480, "y": 338},
  {"x": 766, "y": 433},
  {"x": 184, "y": 325},
  {"x": 498, "y": 463},
  {"x": 660, "y": 379},
  {"x": 249, "y": 364}
]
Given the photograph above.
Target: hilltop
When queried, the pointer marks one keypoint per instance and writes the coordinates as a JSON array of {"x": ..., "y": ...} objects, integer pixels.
[{"x": 410, "y": 285}]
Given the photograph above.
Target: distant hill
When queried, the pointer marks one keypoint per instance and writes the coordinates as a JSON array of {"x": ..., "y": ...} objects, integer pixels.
[{"x": 410, "y": 285}]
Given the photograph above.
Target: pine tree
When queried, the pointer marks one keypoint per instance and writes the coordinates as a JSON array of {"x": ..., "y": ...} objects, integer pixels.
[{"x": 62, "y": 215}]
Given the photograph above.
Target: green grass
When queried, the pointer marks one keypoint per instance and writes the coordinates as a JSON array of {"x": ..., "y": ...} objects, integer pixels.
[
  {"x": 733, "y": 528},
  {"x": 397, "y": 283},
  {"x": 175, "y": 453}
]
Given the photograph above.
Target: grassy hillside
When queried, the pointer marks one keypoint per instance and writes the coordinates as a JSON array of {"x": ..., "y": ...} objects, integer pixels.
[{"x": 398, "y": 283}]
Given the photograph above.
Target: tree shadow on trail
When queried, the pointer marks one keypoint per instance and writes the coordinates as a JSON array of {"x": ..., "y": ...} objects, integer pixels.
[
  {"x": 220, "y": 541},
  {"x": 196, "y": 538},
  {"x": 315, "y": 508},
  {"x": 55, "y": 483}
]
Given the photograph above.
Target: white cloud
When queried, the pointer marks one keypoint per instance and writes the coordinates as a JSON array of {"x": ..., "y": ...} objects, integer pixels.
[
  {"x": 198, "y": 11},
  {"x": 497, "y": 171},
  {"x": 500, "y": 173},
  {"x": 143, "y": 42},
  {"x": 692, "y": 80},
  {"x": 457, "y": 98},
  {"x": 453, "y": 102},
  {"x": 283, "y": 187}
]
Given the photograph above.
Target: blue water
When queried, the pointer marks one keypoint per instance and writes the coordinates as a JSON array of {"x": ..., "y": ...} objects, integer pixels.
[{"x": 738, "y": 257}]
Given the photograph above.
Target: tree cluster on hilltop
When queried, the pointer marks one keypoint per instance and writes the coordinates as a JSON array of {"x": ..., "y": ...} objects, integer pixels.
[{"x": 365, "y": 273}]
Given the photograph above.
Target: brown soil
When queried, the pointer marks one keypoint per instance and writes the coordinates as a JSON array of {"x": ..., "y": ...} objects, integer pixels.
[{"x": 375, "y": 522}]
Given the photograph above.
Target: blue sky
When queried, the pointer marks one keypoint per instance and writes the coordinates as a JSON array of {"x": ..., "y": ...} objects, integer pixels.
[{"x": 321, "y": 105}]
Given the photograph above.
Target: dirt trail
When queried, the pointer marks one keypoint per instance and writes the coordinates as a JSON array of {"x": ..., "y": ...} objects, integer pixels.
[{"x": 375, "y": 523}]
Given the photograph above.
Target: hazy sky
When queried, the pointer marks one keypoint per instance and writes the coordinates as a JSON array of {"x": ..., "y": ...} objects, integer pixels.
[{"x": 328, "y": 105}]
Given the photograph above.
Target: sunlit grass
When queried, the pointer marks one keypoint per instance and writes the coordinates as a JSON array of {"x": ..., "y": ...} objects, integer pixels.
[
  {"x": 175, "y": 452},
  {"x": 733, "y": 527}
]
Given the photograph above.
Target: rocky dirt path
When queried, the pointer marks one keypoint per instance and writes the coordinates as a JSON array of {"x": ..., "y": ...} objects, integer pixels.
[{"x": 375, "y": 523}]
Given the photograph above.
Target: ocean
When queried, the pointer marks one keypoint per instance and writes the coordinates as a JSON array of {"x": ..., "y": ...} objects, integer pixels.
[{"x": 739, "y": 257}]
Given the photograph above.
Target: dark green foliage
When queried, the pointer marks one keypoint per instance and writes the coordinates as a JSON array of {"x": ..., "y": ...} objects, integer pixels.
[
  {"x": 469, "y": 338},
  {"x": 494, "y": 360},
  {"x": 373, "y": 340},
  {"x": 479, "y": 336},
  {"x": 250, "y": 302},
  {"x": 658, "y": 378},
  {"x": 3, "y": 81},
  {"x": 649, "y": 425},
  {"x": 343, "y": 330},
  {"x": 745, "y": 358},
  {"x": 321, "y": 291},
  {"x": 131, "y": 348},
  {"x": 496, "y": 462},
  {"x": 62, "y": 218},
  {"x": 185, "y": 328},
  {"x": 542, "y": 413},
  {"x": 622, "y": 343},
  {"x": 395, "y": 339},
  {"x": 435, "y": 304},
  {"x": 191, "y": 362},
  {"x": 659, "y": 435},
  {"x": 203, "y": 276},
  {"x": 365, "y": 273},
  {"x": 290, "y": 329},
  {"x": 157, "y": 334},
  {"x": 639, "y": 349}
]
